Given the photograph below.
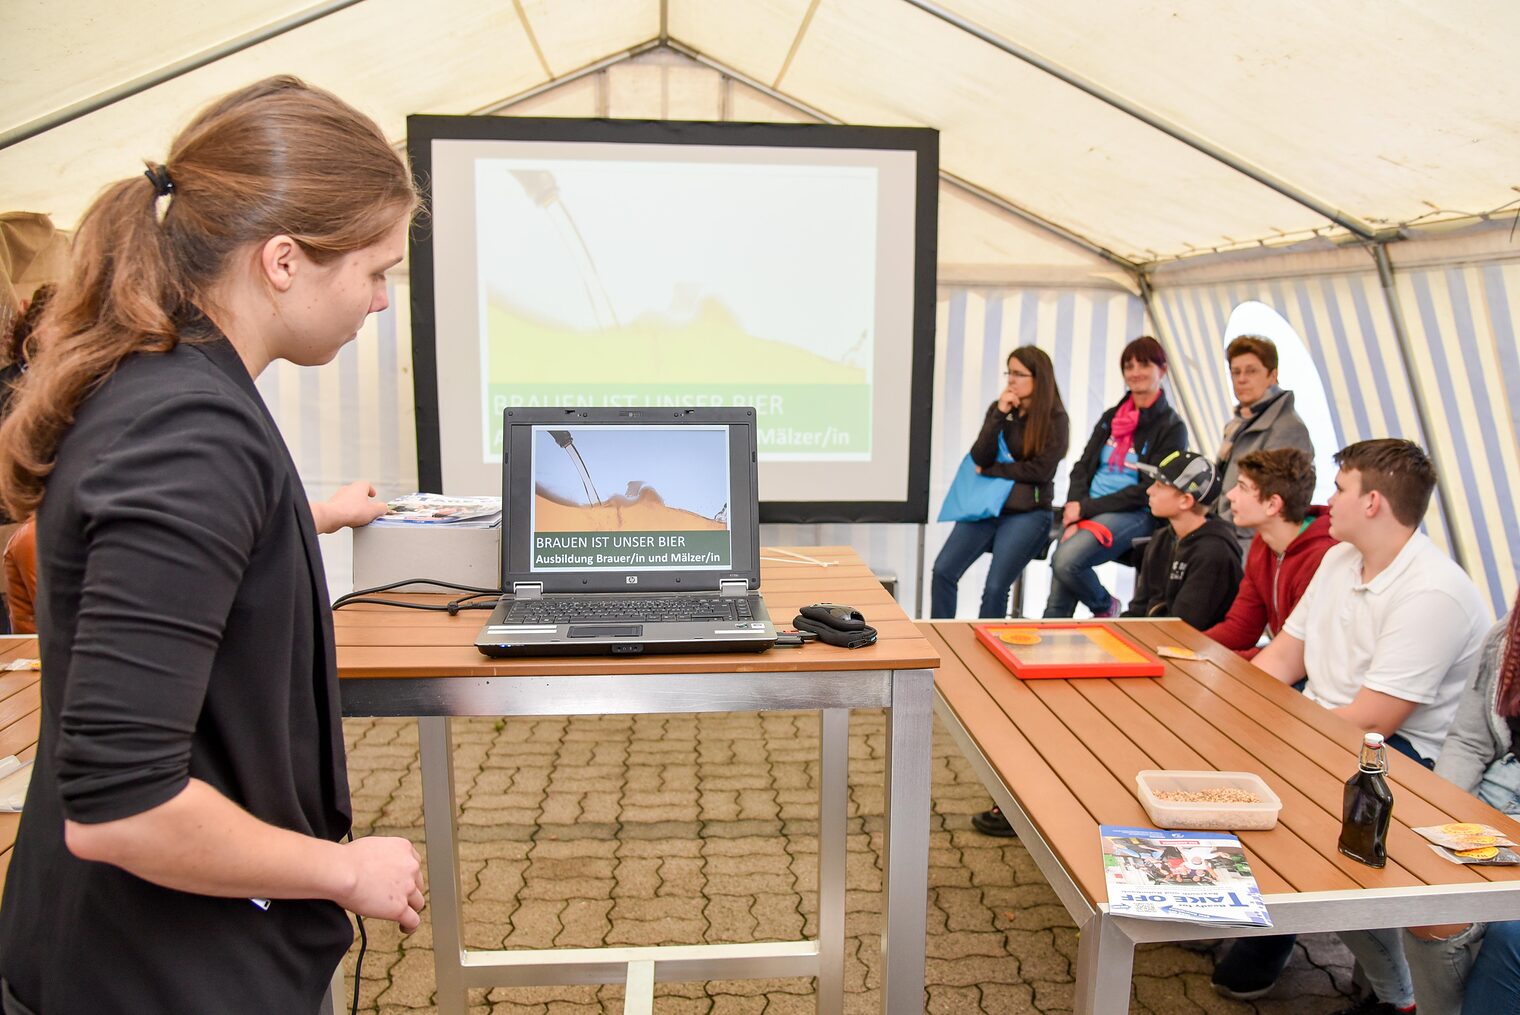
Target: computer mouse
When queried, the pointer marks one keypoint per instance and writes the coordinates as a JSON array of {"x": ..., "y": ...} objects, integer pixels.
[{"x": 840, "y": 618}]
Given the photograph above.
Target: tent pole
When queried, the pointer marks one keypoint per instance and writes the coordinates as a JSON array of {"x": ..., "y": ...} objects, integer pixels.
[
  {"x": 110, "y": 96},
  {"x": 1148, "y": 296},
  {"x": 1024, "y": 214},
  {"x": 1146, "y": 116},
  {"x": 1417, "y": 387},
  {"x": 493, "y": 108},
  {"x": 955, "y": 181}
]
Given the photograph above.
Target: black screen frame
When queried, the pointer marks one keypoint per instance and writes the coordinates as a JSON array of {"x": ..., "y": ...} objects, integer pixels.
[
  {"x": 516, "y": 503},
  {"x": 424, "y": 129}
]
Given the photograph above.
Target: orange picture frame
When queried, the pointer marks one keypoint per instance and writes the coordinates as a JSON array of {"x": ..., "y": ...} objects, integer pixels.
[{"x": 1038, "y": 650}]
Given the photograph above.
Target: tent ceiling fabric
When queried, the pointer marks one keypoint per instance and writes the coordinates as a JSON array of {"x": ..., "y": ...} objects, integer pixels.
[
  {"x": 1388, "y": 109},
  {"x": 1384, "y": 108}
]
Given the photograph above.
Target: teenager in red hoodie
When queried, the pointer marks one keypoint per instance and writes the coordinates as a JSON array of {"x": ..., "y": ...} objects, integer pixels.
[{"x": 1271, "y": 496}]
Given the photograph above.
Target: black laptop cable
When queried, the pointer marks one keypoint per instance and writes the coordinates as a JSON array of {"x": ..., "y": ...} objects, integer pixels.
[
  {"x": 464, "y": 602},
  {"x": 358, "y": 963}
]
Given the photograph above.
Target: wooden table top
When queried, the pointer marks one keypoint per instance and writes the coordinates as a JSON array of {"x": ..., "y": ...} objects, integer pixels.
[
  {"x": 382, "y": 641},
  {"x": 1069, "y": 751},
  {"x": 20, "y": 717}
]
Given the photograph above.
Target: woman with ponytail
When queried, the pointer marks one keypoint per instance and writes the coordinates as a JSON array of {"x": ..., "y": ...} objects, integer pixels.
[
  {"x": 1474, "y": 969},
  {"x": 179, "y": 847}
]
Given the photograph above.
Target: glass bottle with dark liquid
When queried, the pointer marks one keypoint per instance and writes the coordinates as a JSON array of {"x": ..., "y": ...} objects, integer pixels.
[{"x": 1368, "y": 806}]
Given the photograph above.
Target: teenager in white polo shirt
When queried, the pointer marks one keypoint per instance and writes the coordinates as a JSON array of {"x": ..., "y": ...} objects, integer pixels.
[
  {"x": 1389, "y": 630},
  {"x": 1388, "y": 634}
]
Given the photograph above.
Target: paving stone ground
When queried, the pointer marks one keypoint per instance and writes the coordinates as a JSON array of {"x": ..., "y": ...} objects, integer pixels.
[{"x": 678, "y": 829}]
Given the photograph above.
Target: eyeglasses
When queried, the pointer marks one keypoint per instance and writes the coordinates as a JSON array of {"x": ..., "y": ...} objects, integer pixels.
[{"x": 1021, "y": 375}]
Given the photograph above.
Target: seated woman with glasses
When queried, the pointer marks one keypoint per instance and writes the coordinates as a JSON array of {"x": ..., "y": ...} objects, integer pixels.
[{"x": 1031, "y": 419}]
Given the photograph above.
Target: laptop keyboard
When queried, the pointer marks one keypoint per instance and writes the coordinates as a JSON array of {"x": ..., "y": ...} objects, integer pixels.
[{"x": 597, "y": 609}]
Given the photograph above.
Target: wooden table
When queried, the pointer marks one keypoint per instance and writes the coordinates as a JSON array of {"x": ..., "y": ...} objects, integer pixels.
[
  {"x": 411, "y": 663},
  {"x": 20, "y": 716},
  {"x": 1060, "y": 757}
]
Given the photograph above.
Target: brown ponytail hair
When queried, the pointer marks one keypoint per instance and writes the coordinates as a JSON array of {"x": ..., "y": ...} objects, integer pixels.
[
  {"x": 1043, "y": 404},
  {"x": 1507, "y": 698},
  {"x": 276, "y": 157}
]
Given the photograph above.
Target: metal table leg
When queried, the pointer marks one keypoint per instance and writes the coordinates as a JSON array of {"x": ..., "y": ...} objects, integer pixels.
[
  {"x": 1105, "y": 962},
  {"x": 833, "y": 792},
  {"x": 435, "y": 739},
  {"x": 910, "y": 734},
  {"x": 638, "y": 994}
]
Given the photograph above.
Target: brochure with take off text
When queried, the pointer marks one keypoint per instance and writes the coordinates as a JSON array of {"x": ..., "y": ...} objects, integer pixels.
[{"x": 1197, "y": 877}]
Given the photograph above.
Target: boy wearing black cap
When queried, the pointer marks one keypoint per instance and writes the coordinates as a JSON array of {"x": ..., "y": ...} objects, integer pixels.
[{"x": 1192, "y": 567}]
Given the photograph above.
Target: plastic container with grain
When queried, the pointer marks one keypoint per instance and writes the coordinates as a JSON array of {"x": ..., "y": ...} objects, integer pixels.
[{"x": 1227, "y": 817}]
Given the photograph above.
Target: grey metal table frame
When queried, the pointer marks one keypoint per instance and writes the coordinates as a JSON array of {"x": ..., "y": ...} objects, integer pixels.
[
  {"x": 906, "y": 694},
  {"x": 1106, "y": 948}
]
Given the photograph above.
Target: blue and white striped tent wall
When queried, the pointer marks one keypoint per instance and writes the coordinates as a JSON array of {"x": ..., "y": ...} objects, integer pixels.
[
  {"x": 1462, "y": 322},
  {"x": 1344, "y": 320},
  {"x": 1083, "y": 330}
]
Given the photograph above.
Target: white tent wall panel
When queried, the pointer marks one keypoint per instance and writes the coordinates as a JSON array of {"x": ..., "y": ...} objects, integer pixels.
[
  {"x": 1384, "y": 109},
  {"x": 582, "y": 97},
  {"x": 471, "y": 54},
  {"x": 54, "y": 53},
  {"x": 753, "y": 38},
  {"x": 1020, "y": 132},
  {"x": 574, "y": 33}
]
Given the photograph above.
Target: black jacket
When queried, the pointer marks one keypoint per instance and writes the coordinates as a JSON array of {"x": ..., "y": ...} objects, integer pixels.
[
  {"x": 1034, "y": 478},
  {"x": 1195, "y": 579},
  {"x": 185, "y": 633},
  {"x": 1160, "y": 432}
]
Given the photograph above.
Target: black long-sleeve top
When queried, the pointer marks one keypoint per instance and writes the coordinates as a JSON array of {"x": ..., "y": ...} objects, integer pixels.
[
  {"x": 1194, "y": 578},
  {"x": 184, "y": 633},
  {"x": 1034, "y": 476},
  {"x": 1160, "y": 432}
]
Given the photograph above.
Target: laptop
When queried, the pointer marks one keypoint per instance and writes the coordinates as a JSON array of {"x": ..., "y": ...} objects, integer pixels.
[{"x": 629, "y": 531}]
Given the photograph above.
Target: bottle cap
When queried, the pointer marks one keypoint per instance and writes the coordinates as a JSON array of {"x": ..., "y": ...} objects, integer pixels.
[{"x": 1373, "y": 740}]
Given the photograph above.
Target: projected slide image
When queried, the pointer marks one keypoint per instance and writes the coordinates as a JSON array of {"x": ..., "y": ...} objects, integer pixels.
[
  {"x": 643, "y": 283},
  {"x": 619, "y": 498}
]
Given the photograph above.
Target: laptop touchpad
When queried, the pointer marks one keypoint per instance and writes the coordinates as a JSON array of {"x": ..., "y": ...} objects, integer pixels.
[{"x": 606, "y": 630}]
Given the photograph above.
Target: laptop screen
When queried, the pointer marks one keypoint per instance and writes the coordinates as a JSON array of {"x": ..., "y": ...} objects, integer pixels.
[{"x": 629, "y": 500}]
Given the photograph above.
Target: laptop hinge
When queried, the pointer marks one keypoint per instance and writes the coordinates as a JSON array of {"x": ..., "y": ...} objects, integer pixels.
[
  {"x": 528, "y": 590},
  {"x": 731, "y": 588}
]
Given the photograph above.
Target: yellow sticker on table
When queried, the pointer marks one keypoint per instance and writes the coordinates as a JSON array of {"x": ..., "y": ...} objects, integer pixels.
[
  {"x": 1019, "y": 637},
  {"x": 1482, "y": 853}
]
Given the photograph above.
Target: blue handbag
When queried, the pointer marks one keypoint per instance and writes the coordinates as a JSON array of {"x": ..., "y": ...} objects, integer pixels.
[{"x": 973, "y": 496}]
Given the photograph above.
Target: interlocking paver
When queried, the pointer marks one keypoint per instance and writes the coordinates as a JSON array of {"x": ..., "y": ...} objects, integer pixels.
[{"x": 640, "y": 830}]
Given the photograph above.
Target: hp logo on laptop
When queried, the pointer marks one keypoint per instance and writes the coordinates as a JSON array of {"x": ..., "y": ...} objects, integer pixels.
[{"x": 631, "y": 579}]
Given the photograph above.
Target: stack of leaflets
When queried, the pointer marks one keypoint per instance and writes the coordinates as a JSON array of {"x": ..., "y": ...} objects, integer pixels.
[
  {"x": 1197, "y": 877},
  {"x": 1469, "y": 843},
  {"x": 436, "y": 509}
]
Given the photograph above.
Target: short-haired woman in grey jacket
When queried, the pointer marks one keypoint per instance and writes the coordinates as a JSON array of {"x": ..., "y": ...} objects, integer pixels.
[{"x": 1264, "y": 417}]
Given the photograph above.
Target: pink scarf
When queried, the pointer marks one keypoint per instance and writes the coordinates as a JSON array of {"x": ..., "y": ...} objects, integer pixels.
[{"x": 1122, "y": 429}]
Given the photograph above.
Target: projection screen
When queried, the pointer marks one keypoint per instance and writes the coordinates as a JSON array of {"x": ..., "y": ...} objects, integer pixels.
[{"x": 565, "y": 262}]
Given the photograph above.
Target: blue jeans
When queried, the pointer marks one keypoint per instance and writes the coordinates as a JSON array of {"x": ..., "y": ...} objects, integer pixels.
[
  {"x": 1478, "y": 970},
  {"x": 1013, "y": 539},
  {"x": 1381, "y": 955},
  {"x": 1072, "y": 578}
]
